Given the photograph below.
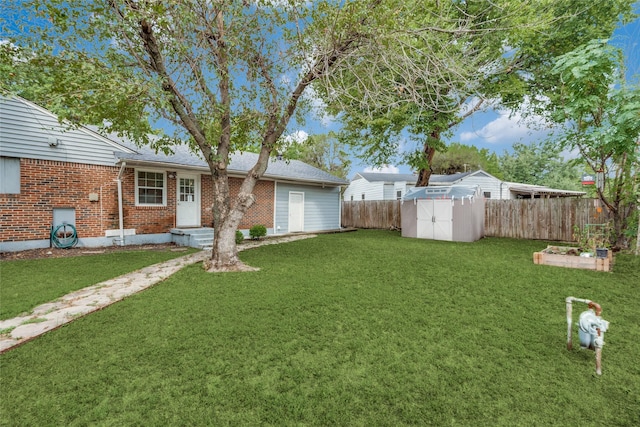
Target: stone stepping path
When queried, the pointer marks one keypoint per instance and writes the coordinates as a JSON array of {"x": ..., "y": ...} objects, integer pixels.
[{"x": 52, "y": 315}]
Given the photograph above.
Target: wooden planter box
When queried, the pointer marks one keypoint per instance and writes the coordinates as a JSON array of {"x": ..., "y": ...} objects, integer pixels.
[{"x": 550, "y": 256}]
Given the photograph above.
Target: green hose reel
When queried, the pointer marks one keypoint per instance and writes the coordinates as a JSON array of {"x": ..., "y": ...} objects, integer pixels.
[{"x": 64, "y": 236}]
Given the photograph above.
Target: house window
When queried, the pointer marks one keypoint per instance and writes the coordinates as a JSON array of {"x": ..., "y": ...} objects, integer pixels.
[
  {"x": 9, "y": 175},
  {"x": 151, "y": 188},
  {"x": 362, "y": 196},
  {"x": 487, "y": 194},
  {"x": 399, "y": 195},
  {"x": 352, "y": 197}
]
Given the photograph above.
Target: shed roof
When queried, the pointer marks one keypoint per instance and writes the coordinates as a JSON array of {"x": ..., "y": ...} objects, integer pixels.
[{"x": 443, "y": 192}]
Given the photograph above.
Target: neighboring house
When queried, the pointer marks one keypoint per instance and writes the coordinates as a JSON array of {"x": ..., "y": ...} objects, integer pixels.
[
  {"x": 379, "y": 186},
  {"x": 387, "y": 186},
  {"x": 116, "y": 193},
  {"x": 494, "y": 188}
]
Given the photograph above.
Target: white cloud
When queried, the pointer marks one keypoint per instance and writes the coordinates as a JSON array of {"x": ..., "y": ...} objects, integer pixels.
[
  {"x": 297, "y": 137},
  {"x": 319, "y": 107},
  {"x": 570, "y": 154},
  {"x": 383, "y": 169},
  {"x": 510, "y": 127}
]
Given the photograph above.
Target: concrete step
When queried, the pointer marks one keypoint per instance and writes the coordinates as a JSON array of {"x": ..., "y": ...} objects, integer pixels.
[
  {"x": 193, "y": 237},
  {"x": 202, "y": 241}
]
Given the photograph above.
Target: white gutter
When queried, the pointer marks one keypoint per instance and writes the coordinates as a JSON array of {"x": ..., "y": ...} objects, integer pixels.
[{"x": 120, "y": 210}]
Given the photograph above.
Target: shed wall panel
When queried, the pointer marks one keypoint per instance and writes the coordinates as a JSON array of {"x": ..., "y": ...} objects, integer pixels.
[{"x": 409, "y": 219}]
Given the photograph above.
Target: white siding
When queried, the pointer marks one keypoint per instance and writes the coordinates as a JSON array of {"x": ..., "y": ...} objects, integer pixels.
[
  {"x": 486, "y": 184},
  {"x": 377, "y": 190},
  {"x": 27, "y": 132},
  {"x": 358, "y": 187},
  {"x": 388, "y": 192},
  {"x": 400, "y": 186}
]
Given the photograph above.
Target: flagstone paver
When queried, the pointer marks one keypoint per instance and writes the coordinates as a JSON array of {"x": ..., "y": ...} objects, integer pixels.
[{"x": 51, "y": 315}]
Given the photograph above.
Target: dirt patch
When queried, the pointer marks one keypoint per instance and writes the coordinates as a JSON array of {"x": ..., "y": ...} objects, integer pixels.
[{"x": 72, "y": 252}]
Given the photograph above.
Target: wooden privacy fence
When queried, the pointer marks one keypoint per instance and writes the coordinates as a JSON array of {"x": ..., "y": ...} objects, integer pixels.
[
  {"x": 541, "y": 219},
  {"x": 383, "y": 214}
]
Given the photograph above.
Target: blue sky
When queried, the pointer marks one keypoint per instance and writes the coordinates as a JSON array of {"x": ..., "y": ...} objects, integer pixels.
[{"x": 497, "y": 130}]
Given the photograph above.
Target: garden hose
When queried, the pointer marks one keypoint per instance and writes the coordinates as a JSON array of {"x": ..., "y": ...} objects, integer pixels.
[{"x": 64, "y": 236}]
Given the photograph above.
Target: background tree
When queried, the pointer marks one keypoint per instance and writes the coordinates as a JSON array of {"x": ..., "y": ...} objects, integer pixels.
[
  {"x": 509, "y": 48},
  {"x": 464, "y": 158},
  {"x": 323, "y": 151},
  {"x": 227, "y": 76},
  {"x": 600, "y": 115},
  {"x": 540, "y": 164}
]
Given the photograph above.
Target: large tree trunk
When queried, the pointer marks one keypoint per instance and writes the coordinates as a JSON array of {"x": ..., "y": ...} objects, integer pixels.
[
  {"x": 228, "y": 212},
  {"x": 429, "y": 151},
  {"x": 224, "y": 256}
]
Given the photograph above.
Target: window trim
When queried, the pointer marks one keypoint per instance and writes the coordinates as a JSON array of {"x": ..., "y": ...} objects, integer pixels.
[{"x": 164, "y": 188}]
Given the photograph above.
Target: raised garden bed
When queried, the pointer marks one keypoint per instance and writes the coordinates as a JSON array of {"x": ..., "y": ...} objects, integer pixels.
[{"x": 572, "y": 257}]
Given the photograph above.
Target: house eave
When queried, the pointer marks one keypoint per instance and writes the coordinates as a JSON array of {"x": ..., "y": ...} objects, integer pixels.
[{"x": 232, "y": 173}]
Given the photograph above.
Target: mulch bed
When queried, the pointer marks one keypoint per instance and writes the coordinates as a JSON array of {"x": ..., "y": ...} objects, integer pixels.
[{"x": 71, "y": 252}]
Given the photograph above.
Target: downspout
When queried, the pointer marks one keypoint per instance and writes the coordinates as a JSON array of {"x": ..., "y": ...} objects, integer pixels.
[
  {"x": 340, "y": 208},
  {"x": 120, "y": 210},
  {"x": 276, "y": 229}
]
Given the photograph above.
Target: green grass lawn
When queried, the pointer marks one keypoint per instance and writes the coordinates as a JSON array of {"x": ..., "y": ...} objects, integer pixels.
[
  {"x": 353, "y": 329},
  {"x": 28, "y": 283}
]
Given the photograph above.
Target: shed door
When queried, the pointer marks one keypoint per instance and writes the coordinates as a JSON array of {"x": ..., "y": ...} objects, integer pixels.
[
  {"x": 434, "y": 219},
  {"x": 296, "y": 211},
  {"x": 443, "y": 220},
  {"x": 424, "y": 213}
]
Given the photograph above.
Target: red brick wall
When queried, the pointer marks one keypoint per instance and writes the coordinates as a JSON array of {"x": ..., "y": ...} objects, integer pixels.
[
  {"x": 147, "y": 219},
  {"x": 45, "y": 185},
  {"x": 260, "y": 213}
]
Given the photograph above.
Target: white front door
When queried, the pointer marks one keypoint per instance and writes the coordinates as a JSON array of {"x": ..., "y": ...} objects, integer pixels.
[
  {"x": 188, "y": 203},
  {"x": 296, "y": 211}
]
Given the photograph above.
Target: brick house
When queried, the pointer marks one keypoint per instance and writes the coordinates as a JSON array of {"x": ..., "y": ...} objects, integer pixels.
[{"x": 113, "y": 192}]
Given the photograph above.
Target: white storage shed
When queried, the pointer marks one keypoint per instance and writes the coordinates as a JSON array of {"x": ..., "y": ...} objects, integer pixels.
[{"x": 454, "y": 213}]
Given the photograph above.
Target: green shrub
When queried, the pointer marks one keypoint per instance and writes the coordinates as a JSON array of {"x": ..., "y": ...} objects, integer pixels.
[
  {"x": 239, "y": 237},
  {"x": 257, "y": 231}
]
